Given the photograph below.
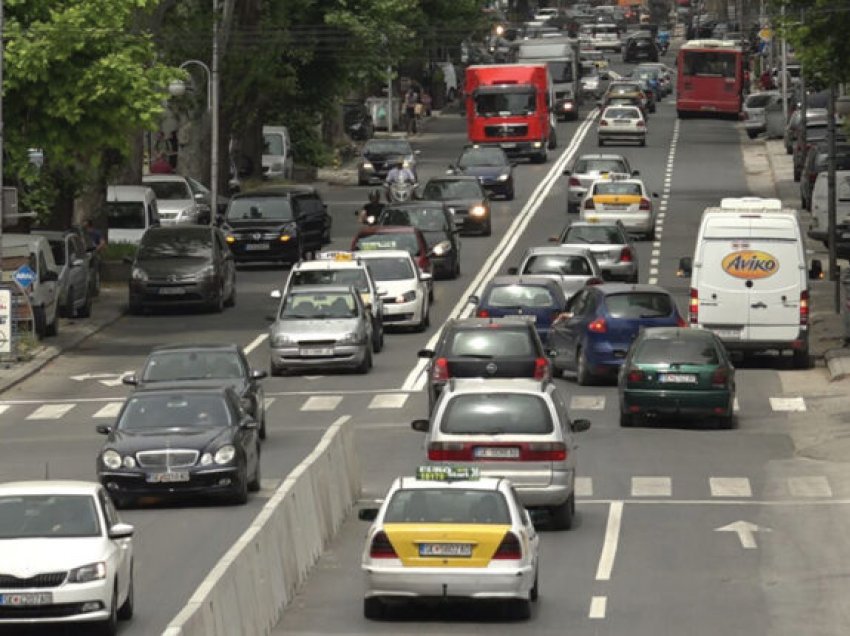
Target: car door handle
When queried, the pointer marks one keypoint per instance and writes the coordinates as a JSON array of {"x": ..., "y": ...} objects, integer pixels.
[{"x": 759, "y": 305}]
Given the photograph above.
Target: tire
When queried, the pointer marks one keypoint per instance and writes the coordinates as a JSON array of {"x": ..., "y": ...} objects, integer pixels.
[
  {"x": 509, "y": 195},
  {"x": 53, "y": 328},
  {"x": 366, "y": 365},
  {"x": 39, "y": 321},
  {"x": 726, "y": 422},
  {"x": 262, "y": 432},
  {"x": 562, "y": 515},
  {"x": 488, "y": 229},
  {"x": 553, "y": 141},
  {"x": 231, "y": 300},
  {"x": 377, "y": 338},
  {"x": 276, "y": 371},
  {"x": 752, "y": 134},
  {"x": 425, "y": 322},
  {"x": 801, "y": 358},
  {"x": 240, "y": 492},
  {"x": 95, "y": 285},
  {"x": 627, "y": 420},
  {"x": 599, "y": 142},
  {"x": 254, "y": 484},
  {"x": 109, "y": 627},
  {"x": 216, "y": 305},
  {"x": 535, "y": 590},
  {"x": 68, "y": 310},
  {"x": 796, "y": 175},
  {"x": 85, "y": 310},
  {"x": 650, "y": 236},
  {"x": 125, "y": 612},
  {"x": 583, "y": 375},
  {"x": 572, "y": 208},
  {"x": 521, "y": 609},
  {"x": 643, "y": 142},
  {"x": 373, "y": 608}
]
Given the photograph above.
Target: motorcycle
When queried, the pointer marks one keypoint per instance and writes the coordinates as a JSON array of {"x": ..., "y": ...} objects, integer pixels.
[
  {"x": 663, "y": 42},
  {"x": 400, "y": 191}
]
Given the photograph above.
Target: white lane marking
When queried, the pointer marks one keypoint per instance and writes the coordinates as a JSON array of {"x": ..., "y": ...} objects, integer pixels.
[
  {"x": 653, "y": 261},
  {"x": 3, "y": 408},
  {"x": 416, "y": 378},
  {"x": 653, "y": 271},
  {"x": 656, "y": 245},
  {"x": 321, "y": 403},
  {"x": 655, "y": 251},
  {"x": 735, "y": 406},
  {"x": 652, "y": 280},
  {"x": 50, "y": 411},
  {"x": 388, "y": 401},
  {"x": 652, "y": 487},
  {"x": 813, "y": 486},
  {"x": 268, "y": 402},
  {"x": 598, "y": 605},
  {"x": 612, "y": 538},
  {"x": 584, "y": 486},
  {"x": 110, "y": 410},
  {"x": 256, "y": 342},
  {"x": 730, "y": 487},
  {"x": 587, "y": 402},
  {"x": 788, "y": 404}
]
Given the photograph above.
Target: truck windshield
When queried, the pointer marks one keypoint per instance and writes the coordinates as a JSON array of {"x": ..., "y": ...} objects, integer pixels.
[
  {"x": 561, "y": 71},
  {"x": 505, "y": 104}
]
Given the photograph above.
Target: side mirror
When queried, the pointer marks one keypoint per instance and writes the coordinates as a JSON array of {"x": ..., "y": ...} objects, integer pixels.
[
  {"x": 567, "y": 173},
  {"x": 816, "y": 270},
  {"x": 635, "y": 173},
  {"x": 654, "y": 195},
  {"x": 367, "y": 514},
  {"x": 276, "y": 294},
  {"x": 686, "y": 266},
  {"x": 130, "y": 380},
  {"x": 554, "y": 239},
  {"x": 473, "y": 299},
  {"x": 258, "y": 374},
  {"x": 121, "y": 531},
  {"x": 270, "y": 318},
  {"x": 382, "y": 292},
  {"x": 425, "y": 353},
  {"x": 249, "y": 424},
  {"x": 579, "y": 426},
  {"x": 103, "y": 429},
  {"x": 513, "y": 271},
  {"x": 420, "y": 425}
]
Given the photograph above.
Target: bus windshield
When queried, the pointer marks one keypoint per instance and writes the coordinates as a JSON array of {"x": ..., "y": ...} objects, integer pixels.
[{"x": 709, "y": 64}]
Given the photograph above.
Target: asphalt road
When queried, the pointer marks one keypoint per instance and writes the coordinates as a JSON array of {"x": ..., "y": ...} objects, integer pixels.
[{"x": 657, "y": 493}]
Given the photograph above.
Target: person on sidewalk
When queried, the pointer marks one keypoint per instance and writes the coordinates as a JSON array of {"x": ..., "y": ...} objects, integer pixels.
[
  {"x": 411, "y": 99},
  {"x": 161, "y": 165}
]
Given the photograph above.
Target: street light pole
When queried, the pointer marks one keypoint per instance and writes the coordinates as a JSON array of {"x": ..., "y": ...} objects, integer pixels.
[
  {"x": 2, "y": 147},
  {"x": 213, "y": 104}
]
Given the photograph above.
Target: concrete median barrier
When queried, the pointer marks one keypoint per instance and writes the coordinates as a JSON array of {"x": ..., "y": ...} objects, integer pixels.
[{"x": 249, "y": 587}]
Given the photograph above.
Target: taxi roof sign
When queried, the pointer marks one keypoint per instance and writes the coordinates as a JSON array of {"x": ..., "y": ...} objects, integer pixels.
[
  {"x": 335, "y": 255},
  {"x": 448, "y": 473}
]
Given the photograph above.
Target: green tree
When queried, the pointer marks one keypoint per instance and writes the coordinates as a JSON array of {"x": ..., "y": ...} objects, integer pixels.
[{"x": 817, "y": 29}]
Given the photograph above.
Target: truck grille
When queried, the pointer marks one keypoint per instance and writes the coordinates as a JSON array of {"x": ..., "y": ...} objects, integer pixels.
[
  {"x": 48, "y": 579},
  {"x": 506, "y": 130},
  {"x": 167, "y": 458}
]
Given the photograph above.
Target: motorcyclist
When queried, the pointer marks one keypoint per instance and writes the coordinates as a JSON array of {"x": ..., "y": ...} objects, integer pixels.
[
  {"x": 400, "y": 173},
  {"x": 370, "y": 212}
]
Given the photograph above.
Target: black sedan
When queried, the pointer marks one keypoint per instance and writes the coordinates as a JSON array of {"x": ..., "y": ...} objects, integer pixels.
[
  {"x": 438, "y": 229},
  {"x": 465, "y": 199},
  {"x": 180, "y": 441},
  {"x": 490, "y": 165},
  {"x": 220, "y": 364}
]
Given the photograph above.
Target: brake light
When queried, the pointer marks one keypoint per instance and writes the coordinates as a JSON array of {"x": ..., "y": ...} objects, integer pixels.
[
  {"x": 541, "y": 369},
  {"x": 626, "y": 255},
  {"x": 641, "y": 123},
  {"x": 719, "y": 379},
  {"x": 645, "y": 205},
  {"x": 575, "y": 183},
  {"x": 603, "y": 122},
  {"x": 482, "y": 313},
  {"x": 693, "y": 307},
  {"x": 588, "y": 204},
  {"x": 593, "y": 281},
  {"x": 381, "y": 547},
  {"x": 441, "y": 370},
  {"x": 424, "y": 263},
  {"x": 449, "y": 452},
  {"x": 543, "y": 452},
  {"x": 804, "y": 308},
  {"x": 598, "y": 326},
  {"x": 635, "y": 375},
  {"x": 509, "y": 548}
]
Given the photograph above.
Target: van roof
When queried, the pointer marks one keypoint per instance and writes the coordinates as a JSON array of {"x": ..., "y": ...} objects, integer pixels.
[
  {"x": 750, "y": 203},
  {"x": 719, "y": 223},
  {"x": 128, "y": 193}
]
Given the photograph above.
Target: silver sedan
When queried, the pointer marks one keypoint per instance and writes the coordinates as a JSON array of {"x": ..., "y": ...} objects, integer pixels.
[{"x": 572, "y": 267}]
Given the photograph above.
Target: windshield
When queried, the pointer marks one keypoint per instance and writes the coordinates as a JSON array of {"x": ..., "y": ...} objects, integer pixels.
[
  {"x": 758, "y": 101},
  {"x": 185, "y": 244},
  {"x": 260, "y": 209},
  {"x": 170, "y": 190},
  {"x": 495, "y": 414},
  {"x": 446, "y": 190},
  {"x": 558, "y": 264},
  {"x": 482, "y": 157},
  {"x": 675, "y": 351},
  {"x": 561, "y": 71},
  {"x": 590, "y": 234},
  {"x": 316, "y": 306},
  {"x": 193, "y": 365},
  {"x": 48, "y": 516},
  {"x": 387, "y": 147},
  {"x": 272, "y": 144},
  {"x": 519, "y": 295},
  {"x": 586, "y": 166},
  {"x": 505, "y": 104},
  {"x": 443, "y": 505},
  {"x": 390, "y": 269},
  {"x": 709, "y": 64},
  {"x": 426, "y": 219},
  {"x": 58, "y": 249},
  {"x": 174, "y": 410},
  {"x": 355, "y": 276},
  {"x": 125, "y": 215},
  {"x": 639, "y": 305},
  {"x": 406, "y": 242}
]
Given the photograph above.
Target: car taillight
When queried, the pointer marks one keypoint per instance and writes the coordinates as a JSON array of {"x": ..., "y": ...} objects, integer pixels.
[
  {"x": 635, "y": 375},
  {"x": 603, "y": 122},
  {"x": 424, "y": 263},
  {"x": 575, "y": 183},
  {"x": 598, "y": 326},
  {"x": 449, "y": 452},
  {"x": 626, "y": 255},
  {"x": 641, "y": 124},
  {"x": 541, "y": 369},
  {"x": 441, "y": 370},
  {"x": 588, "y": 205},
  {"x": 482, "y": 313},
  {"x": 543, "y": 452},
  {"x": 593, "y": 281},
  {"x": 680, "y": 322},
  {"x": 719, "y": 379},
  {"x": 804, "y": 308},
  {"x": 645, "y": 205},
  {"x": 693, "y": 307},
  {"x": 509, "y": 548},
  {"x": 381, "y": 547}
]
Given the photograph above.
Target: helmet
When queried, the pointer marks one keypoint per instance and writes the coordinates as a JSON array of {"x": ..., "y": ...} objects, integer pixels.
[{"x": 375, "y": 196}]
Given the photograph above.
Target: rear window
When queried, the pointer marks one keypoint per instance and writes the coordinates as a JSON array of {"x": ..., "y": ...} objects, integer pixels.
[
  {"x": 622, "y": 113},
  {"x": 639, "y": 305},
  {"x": 443, "y": 505},
  {"x": 559, "y": 265},
  {"x": 490, "y": 343},
  {"x": 615, "y": 187},
  {"x": 406, "y": 242},
  {"x": 125, "y": 215},
  {"x": 758, "y": 101},
  {"x": 522, "y": 295},
  {"x": 496, "y": 414},
  {"x": 390, "y": 268},
  {"x": 593, "y": 235},
  {"x": 677, "y": 351},
  {"x": 344, "y": 277},
  {"x": 583, "y": 166}
]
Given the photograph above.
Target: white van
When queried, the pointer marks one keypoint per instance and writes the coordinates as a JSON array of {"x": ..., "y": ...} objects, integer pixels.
[
  {"x": 749, "y": 282},
  {"x": 130, "y": 211},
  {"x": 277, "y": 153},
  {"x": 33, "y": 252},
  {"x": 819, "y": 226}
]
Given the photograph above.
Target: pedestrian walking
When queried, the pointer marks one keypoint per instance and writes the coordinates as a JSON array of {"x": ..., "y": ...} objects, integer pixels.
[{"x": 411, "y": 99}]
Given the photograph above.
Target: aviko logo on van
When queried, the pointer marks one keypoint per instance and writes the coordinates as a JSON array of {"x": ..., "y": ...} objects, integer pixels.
[{"x": 750, "y": 264}]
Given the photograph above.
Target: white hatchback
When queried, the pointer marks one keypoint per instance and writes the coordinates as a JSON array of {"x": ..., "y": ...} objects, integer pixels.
[
  {"x": 617, "y": 197},
  {"x": 621, "y": 123},
  {"x": 406, "y": 291}
]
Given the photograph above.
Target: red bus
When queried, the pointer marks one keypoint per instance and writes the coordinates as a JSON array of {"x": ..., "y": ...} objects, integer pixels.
[{"x": 710, "y": 78}]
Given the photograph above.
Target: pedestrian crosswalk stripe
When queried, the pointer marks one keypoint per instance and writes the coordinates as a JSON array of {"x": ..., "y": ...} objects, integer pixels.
[
  {"x": 652, "y": 487},
  {"x": 50, "y": 411},
  {"x": 584, "y": 486},
  {"x": 3, "y": 408},
  {"x": 735, "y": 406},
  {"x": 587, "y": 402},
  {"x": 810, "y": 486},
  {"x": 388, "y": 401},
  {"x": 321, "y": 403},
  {"x": 787, "y": 404},
  {"x": 730, "y": 487},
  {"x": 110, "y": 410}
]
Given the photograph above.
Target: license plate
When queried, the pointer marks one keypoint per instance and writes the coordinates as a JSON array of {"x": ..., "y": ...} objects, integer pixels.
[
  {"x": 612, "y": 206},
  {"x": 677, "y": 378},
  {"x": 168, "y": 478},
  {"x": 619, "y": 122},
  {"x": 317, "y": 351},
  {"x": 171, "y": 291},
  {"x": 496, "y": 452},
  {"x": 256, "y": 247},
  {"x": 727, "y": 333},
  {"x": 445, "y": 549},
  {"x": 26, "y": 598},
  {"x": 508, "y": 145}
]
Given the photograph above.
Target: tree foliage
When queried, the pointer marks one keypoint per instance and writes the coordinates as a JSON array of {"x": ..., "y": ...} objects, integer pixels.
[{"x": 817, "y": 29}]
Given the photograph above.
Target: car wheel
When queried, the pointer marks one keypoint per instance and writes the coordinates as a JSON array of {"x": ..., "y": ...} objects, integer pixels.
[
  {"x": 521, "y": 609},
  {"x": 626, "y": 420},
  {"x": 488, "y": 229},
  {"x": 599, "y": 142},
  {"x": 377, "y": 339},
  {"x": 85, "y": 310},
  {"x": 650, "y": 236},
  {"x": 535, "y": 590},
  {"x": 726, "y": 422},
  {"x": 373, "y": 608},
  {"x": 216, "y": 304},
  {"x": 231, "y": 300},
  {"x": 643, "y": 141},
  {"x": 572, "y": 208},
  {"x": 801, "y": 358},
  {"x": 509, "y": 195},
  {"x": 796, "y": 175},
  {"x": 553, "y": 140},
  {"x": 53, "y": 328},
  {"x": 125, "y": 612},
  {"x": 583, "y": 375},
  {"x": 276, "y": 371},
  {"x": 425, "y": 321},
  {"x": 752, "y": 134},
  {"x": 788, "y": 150},
  {"x": 95, "y": 285},
  {"x": 562, "y": 516},
  {"x": 109, "y": 627},
  {"x": 254, "y": 484},
  {"x": 240, "y": 490},
  {"x": 68, "y": 310},
  {"x": 366, "y": 364}
]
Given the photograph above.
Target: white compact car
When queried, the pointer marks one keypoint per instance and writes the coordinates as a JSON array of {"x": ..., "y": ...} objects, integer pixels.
[
  {"x": 65, "y": 556},
  {"x": 449, "y": 533},
  {"x": 621, "y": 123},
  {"x": 621, "y": 197},
  {"x": 406, "y": 291},
  {"x": 176, "y": 202}
]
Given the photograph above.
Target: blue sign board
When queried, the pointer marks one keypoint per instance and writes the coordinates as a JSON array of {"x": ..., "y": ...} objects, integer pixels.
[{"x": 25, "y": 276}]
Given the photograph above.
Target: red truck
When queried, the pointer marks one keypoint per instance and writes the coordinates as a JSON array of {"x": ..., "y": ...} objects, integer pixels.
[{"x": 511, "y": 106}]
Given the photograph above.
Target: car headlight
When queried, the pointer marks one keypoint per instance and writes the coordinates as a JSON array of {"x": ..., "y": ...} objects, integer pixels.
[
  {"x": 441, "y": 248},
  {"x": 405, "y": 163},
  {"x": 282, "y": 340},
  {"x": 348, "y": 338},
  {"x": 538, "y": 144},
  {"x": 206, "y": 459},
  {"x": 407, "y": 297},
  {"x": 86, "y": 573},
  {"x": 504, "y": 177},
  {"x": 139, "y": 274},
  {"x": 230, "y": 239},
  {"x": 225, "y": 454},
  {"x": 206, "y": 272},
  {"x": 478, "y": 211},
  {"x": 111, "y": 459},
  {"x": 367, "y": 165},
  {"x": 129, "y": 462}
]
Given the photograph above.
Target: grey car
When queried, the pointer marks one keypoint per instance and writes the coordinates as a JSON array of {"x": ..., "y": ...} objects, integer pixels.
[
  {"x": 325, "y": 327},
  {"x": 572, "y": 267},
  {"x": 72, "y": 260},
  {"x": 754, "y": 111},
  {"x": 587, "y": 169},
  {"x": 610, "y": 244},
  {"x": 514, "y": 428}
]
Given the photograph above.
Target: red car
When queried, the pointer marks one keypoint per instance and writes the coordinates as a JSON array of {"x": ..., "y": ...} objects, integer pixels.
[{"x": 394, "y": 237}]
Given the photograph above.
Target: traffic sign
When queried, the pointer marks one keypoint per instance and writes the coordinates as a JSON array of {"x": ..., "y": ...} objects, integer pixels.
[
  {"x": 766, "y": 34},
  {"x": 25, "y": 276}
]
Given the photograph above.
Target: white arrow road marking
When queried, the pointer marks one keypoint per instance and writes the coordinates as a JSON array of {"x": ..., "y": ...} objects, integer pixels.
[
  {"x": 745, "y": 531},
  {"x": 106, "y": 379},
  {"x": 115, "y": 381}
]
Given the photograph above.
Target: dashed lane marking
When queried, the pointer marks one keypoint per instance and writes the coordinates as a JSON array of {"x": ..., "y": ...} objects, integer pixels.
[
  {"x": 587, "y": 402},
  {"x": 598, "y": 605},
  {"x": 388, "y": 401},
  {"x": 110, "y": 410},
  {"x": 730, "y": 487},
  {"x": 788, "y": 404},
  {"x": 809, "y": 486}
]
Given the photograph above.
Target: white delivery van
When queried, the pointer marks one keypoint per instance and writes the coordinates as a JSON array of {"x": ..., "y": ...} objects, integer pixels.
[
  {"x": 749, "y": 281},
  {"x": 819, "y": 226},
  {"x": 32, "y": 253},
  {"x": 277, "y": 153},
  {"x": 130, "y": 211}
]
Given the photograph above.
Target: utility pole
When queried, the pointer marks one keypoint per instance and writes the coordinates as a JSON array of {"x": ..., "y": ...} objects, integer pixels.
[
  {"x": 804, "y": 100},
  {"x": 214, "y": 119},
  {"x": 389, "y": 99},
  {"x": 2, "y": 144},
  {"x": 834, "y": 271}
]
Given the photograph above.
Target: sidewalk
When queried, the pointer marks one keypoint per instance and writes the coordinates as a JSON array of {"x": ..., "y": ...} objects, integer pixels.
[{"x": 108, "y": 307}]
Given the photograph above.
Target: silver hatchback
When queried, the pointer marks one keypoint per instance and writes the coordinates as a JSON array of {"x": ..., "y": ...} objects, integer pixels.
[
  {"x": 514, "y": 428},
  {"x": 571, "y": 266}
]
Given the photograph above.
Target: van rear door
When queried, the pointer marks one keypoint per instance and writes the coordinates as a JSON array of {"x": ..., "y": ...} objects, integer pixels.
[{"x": 723, "y": 300}]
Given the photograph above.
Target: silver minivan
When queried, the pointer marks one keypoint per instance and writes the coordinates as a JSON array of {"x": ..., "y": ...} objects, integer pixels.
[{"x": 515, "y": 428}]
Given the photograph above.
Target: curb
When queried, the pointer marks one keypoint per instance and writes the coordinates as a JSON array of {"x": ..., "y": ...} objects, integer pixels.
[{"x": 837, "y": 363}]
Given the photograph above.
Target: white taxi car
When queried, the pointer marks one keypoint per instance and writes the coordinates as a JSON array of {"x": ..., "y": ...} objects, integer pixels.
[
  {"x": 449, "y": 533},
  {"x": 621, "y": 123},
  {"x": 621, "y": 197},
  {"x": 406, "y": 291}
]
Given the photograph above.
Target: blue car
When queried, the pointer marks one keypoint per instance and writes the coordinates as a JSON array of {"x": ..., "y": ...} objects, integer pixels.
[
  {"x": 595, "y": 332},
  {"x": 535, "y": 296}
]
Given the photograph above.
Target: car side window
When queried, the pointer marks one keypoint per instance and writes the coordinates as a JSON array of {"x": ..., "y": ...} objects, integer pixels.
[
  {"x": 578, "y": 303},
  {"x": 42, "y": 266}
]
